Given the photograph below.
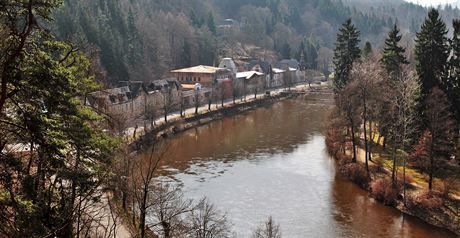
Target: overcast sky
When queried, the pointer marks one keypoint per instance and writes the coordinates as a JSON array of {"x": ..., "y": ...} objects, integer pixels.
[{"x": 431, "y": 2}]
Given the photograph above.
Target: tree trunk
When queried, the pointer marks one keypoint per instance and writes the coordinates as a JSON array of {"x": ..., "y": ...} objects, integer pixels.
[
  {"x": 365, "y": 133},
  {"x": 393, "y": 156},
  {"x": 371, "y": 141},
  {"x": 430, "y": 180},
  {"x": 353, "y": 142},
  {"x": 143, "y": 212}
]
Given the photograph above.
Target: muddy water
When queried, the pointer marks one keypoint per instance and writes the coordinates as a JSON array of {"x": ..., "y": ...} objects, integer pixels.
[{"x": 272, "y": 161}]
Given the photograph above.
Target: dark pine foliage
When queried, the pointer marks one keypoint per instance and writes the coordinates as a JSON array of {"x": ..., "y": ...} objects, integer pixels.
[
  {"x": 432, "y": 52},
  {"x": 393, "y": 54},
  {"x": 346, "y": 52}
]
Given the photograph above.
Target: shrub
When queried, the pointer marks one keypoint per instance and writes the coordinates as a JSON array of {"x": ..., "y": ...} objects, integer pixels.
[
  {"x": 447, "y": 186},
  {"x": 334, "y": 142},
  {"x": 409, "y": 179},
  {"x": 426, "y": 200},
  {"x": 356, "y": 173},
  {"x": 377, "y": 167},
  {"x": 385, "y": 191}
]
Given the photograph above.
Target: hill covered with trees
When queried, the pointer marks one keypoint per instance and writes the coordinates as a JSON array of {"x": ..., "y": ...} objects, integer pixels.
[{"x": 143, "y": 40}]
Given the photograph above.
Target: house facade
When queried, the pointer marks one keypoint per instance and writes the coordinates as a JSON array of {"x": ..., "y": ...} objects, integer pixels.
[{"x": 204, "y": 75}]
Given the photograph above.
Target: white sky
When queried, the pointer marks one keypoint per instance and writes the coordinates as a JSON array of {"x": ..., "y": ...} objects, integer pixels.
[{"x": 432, "y": 2}]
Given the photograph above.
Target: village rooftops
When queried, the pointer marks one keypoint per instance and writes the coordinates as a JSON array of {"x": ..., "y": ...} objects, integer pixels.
[
  {"x": 278, "y": 71},
  {"x": 200, "y": 69},
  {"x": 248, "y": 74}
]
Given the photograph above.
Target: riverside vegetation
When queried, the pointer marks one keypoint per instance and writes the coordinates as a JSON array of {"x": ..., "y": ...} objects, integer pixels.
[
  {"x": 59, "y": 166},
  {"x": 395, "y": 125}
]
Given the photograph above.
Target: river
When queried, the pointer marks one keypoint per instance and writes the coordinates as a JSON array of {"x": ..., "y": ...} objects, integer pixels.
[{"x": 272, "y": 161}]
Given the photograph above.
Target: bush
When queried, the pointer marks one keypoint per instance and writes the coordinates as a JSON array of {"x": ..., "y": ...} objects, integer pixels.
[
  {"x": 447, "y": 186},
  {"x": 426, "y": 200},
  {"x": 356, "y": 173},
  {"x": 385, "y": 191},
  {"x": 334, "y": 142},
  {"x": 409, "y": 179},
  {"x": 377, "y": 167}
]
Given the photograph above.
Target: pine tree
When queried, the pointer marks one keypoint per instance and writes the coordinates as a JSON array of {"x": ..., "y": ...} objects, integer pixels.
[
  {"x": 211, "y": 23},
  {"x": 432, "y": 52},
  {"x": 367, "y": 50},
  {"x": 301, "y": 56},
  {"x": 452, "y": 84},
  {"x": 393, "y": 54},
  {"x": 346, "y": 53},
  {"x": 286, "y": 51}
]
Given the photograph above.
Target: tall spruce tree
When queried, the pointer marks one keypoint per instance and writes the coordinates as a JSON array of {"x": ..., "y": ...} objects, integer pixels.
[
  {"x": 432, "y": 52},
  {"x": 367, "y": 50},
  {"x": 393, "y": 54},
  {"x": 211, "y": 23},
  {"x": 346, "y": 53},
  {"x": 452, "y": 83}
]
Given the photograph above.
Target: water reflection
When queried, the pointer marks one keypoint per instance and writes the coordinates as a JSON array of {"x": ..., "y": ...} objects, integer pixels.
[{"x": 271, "y": 161}]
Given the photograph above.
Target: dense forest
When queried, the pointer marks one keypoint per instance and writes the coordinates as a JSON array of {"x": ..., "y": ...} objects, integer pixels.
[
  {"x": 61, "y": 168},
  {"x": 142, "y": 40}
]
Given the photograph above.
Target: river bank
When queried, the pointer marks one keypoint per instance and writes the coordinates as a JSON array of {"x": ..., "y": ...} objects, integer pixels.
[
  {"x": 271, "y": 161},
  {"x": 279, "y": 144},
  {"x": 180, "y": 124},
  {"x": 177, "y": 125},
  {"x": 435, "y": 208}
]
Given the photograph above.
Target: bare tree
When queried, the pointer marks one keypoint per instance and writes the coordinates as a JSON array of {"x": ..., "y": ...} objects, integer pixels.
[
  {"x": 151, "y": 114},
  {"x": 197, "y": 101},
  {"x": 207, "y": 222},
  {"x": 406, "y": 90},
  {"x": 118, "y": 122},
  {"x": 268, "y": 230},
  {"x": 348, "y": 103},
  {"x": 235, "y": 89},
  {"x": 167, "y": 101},
  {"x": 142, "y": 177},
  {"x": 168, "y": 210},
  {"x": 366, "y": 77},
  {"x": 324, "y": 60}
]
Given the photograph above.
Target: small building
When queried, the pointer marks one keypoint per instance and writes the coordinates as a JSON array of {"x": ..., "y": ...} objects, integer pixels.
[
  {"x": 259, "y": 66},
  {"x": 228, "y": 63},
  {"x": 134, "y": 100},
  {"x": 205, "y": 75},
  {"x": 291, "y": 63},
  {"x": 253, "y": 81}
]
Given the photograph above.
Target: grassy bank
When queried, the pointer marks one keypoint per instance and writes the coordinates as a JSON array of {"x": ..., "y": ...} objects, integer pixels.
[{"x": 409, "y": 194}]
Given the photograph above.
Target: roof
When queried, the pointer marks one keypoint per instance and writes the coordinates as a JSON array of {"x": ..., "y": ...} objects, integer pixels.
[
  {"x": 164, "y": 83},
  {"x": 248, "y": 74},
  {"x": 228, "y": 63},
  {"x": 278, "y": 71},
  {"x": 292, "y": 63},
  {"x": 188, "y": 86},
  {"x": 112, "y": 96},
  {"x": 265, "y": 66},
  {"x": 200, "y": 69}
]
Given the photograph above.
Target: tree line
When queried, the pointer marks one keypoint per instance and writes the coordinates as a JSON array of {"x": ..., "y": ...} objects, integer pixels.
[
  {"x": 411, "y": 109},
  {"x": 60, "y": 170},
  {"x": 143, "y": 40}
]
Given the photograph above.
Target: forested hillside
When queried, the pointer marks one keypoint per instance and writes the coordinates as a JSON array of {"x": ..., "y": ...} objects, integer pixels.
[{"x": 142, "y": 40}]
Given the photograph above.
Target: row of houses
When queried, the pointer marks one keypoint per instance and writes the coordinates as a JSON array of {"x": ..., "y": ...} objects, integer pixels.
[{"x": 194, "y": 86}]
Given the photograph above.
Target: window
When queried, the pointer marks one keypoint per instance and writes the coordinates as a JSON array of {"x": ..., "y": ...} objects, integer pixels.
[{"x": 199, "y": 79}]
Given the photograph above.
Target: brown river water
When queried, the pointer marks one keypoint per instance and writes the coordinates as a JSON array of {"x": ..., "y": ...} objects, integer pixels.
[{"x": 272, "y": 161}]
